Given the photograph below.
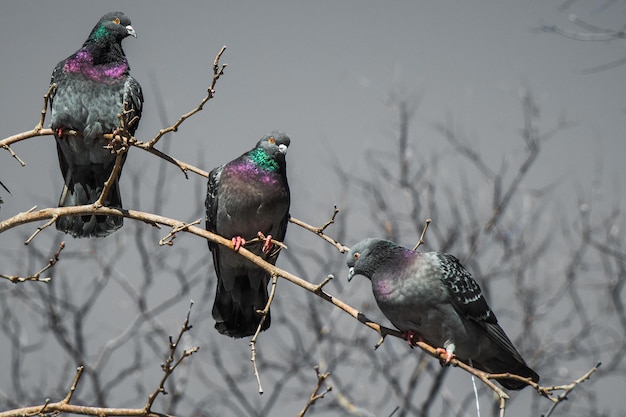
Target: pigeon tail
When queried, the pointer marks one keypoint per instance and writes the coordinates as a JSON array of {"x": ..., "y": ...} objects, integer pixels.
[
  {"x": 499, "y": 365},
  {"x": 235, "y": 310},
  {"x": 83, "y": 185}
]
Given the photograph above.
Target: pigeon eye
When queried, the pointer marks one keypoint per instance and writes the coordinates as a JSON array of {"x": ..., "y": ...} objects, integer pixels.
[
  {"x": 356, "y": 256},
  {"x": 116, "y": 21},
  {"x": 271, "y": 140}
]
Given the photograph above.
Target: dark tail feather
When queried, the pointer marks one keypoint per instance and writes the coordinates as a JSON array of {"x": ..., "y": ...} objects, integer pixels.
[
  {"x": 235, "y": 310},
  {"x": 497, "y": 365},
  {"x": 83, "y": 185}
]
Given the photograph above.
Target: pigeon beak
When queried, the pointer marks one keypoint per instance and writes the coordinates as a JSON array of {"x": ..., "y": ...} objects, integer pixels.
[
  {"x": 351, "y": 274},
  {"x": 131, "y": 31},
  {"x": 282, "y": 148}
]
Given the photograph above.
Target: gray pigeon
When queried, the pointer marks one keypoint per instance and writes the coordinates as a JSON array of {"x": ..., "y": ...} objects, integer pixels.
[
  {"x": 92, "y": 86},
  {"x": 244, "y": 197},
  {"x": 431, "y": 297}
]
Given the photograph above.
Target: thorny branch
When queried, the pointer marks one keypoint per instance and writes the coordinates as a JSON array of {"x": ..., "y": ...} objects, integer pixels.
[
  {"x": 177, "y": 226},
  {"x": 64, "y": 405},
  {"x": 218, "y": 71},
  {"x": 277, "y": 272},
  {"x": 37, "y": 276}
]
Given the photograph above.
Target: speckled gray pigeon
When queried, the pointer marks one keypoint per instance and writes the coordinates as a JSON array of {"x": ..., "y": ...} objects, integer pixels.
[
  {"x": 431, "y": 297},
  {"x": 92, "y": 86},
  {"x": 245, "y": 196}
]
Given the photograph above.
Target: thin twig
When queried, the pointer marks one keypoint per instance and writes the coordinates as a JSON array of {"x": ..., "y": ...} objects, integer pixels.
[
  {"x": 44, "y": 110},
  {"x": 321, "y": 285},
  {"x": 320, "y": 230},
  {"x": 37, "y": 276},
  {"x": 40, "y": 228},
  {"x": 37, "y": 131},
  {"x": 119, "y": 159},
  {"x": 180, "y": 164},
  {"x": 218, "y": 71},
  {"x": 171, "y": 363},
  {"x": 421, "y": 240},
  {"x": 546, "y": 391},
  {"x": 68, "y": 397},
  {"x": 64, "y": 407},
  {"x": 169, "y": 238},
  {"x": 316, "y": 395},
  {"x": 263, "y": 314},
  {"x": 13, "y": 154}
]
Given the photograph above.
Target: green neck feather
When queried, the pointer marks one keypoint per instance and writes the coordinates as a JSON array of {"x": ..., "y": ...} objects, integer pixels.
[
  {"x": 261, "y": 159},
  {"x": 99, "y": 33}
]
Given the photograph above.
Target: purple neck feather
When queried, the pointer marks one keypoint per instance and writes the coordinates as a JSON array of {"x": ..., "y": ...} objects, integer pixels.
[
  {"x": 82, "y": 62},
  {"x": 248, "y": 169}
]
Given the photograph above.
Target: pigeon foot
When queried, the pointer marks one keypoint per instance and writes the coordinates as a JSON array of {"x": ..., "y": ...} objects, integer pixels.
[
  {"x": 238, "y": 242},
  {"x": 449, "y": 355},
  {"x": 413, "y": 337},
  {"x": 267, "y": 245}
]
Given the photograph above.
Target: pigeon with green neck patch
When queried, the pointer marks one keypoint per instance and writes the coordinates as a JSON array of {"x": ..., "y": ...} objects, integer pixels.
[{"x": 244, "y": 197}]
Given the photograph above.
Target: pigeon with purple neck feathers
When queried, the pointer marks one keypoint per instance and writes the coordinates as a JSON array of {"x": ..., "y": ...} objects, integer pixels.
[
  {"x": 432, "y": 298},
  {"x": 244, "y": 197},
  {"x": 93, "y": 87}
]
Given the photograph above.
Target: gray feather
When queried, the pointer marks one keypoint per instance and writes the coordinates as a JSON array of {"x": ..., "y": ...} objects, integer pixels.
[
  {"x": 93, "y": 87},
  {"x": 434, "y": 295}
]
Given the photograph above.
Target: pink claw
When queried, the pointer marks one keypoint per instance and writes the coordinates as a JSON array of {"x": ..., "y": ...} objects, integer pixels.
[
  {"x": 238, "y": 242},
  {"x": 267, "y": 246},
  {"x": 449, "y": 355}
]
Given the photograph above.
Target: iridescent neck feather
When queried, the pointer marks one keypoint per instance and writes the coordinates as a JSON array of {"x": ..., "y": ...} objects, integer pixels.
[{"x": 264, "y": 161}]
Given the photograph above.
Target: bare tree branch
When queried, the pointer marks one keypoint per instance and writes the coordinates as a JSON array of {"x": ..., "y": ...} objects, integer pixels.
[
  {"x": 37, "y": 276},
  {"x": 316, "y": 394}
]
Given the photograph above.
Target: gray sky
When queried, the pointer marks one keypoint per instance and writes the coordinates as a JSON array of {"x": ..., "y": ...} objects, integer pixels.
[{"x": 322, "y": 71}]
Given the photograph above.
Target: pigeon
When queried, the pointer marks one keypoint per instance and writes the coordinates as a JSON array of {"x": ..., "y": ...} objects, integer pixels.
[
  {"x": 431, "y": 297},
  {"x": 244, "y": 197},
  {"x": 93, "y": 87}
]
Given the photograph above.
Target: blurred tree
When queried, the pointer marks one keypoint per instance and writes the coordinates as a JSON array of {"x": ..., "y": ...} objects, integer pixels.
[
  {"x": 588, "y": 32},
  {"x": 555, "y": 283}
]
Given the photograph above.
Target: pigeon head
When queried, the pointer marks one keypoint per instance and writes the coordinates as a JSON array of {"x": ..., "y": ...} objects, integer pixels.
[
  {"x": 368, "y": 255},
  {"x": 270, "y": 151},
  {"x": 113, "y": 26}
]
